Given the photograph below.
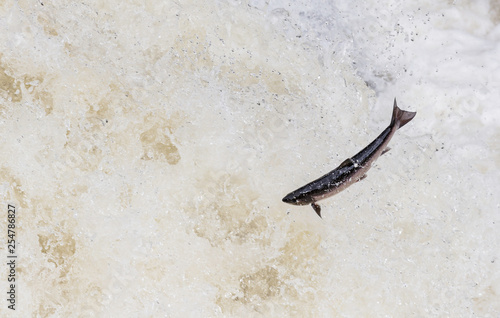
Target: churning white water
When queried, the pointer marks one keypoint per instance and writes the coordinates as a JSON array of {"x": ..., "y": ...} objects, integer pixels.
[{"x": 147, "y": 145}]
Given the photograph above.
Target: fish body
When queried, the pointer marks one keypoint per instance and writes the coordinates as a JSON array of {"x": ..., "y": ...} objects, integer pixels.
[{"x": 352, "y": 169}]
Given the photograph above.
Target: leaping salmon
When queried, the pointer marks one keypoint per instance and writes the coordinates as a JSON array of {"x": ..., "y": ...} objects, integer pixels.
[{"x": 352, "y": 169}]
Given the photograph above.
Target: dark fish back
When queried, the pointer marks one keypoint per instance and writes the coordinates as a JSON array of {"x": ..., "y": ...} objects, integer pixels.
[{"x": 364, "y": 155}]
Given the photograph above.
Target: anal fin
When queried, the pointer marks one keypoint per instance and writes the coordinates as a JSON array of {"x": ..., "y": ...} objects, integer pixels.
[
  {"x": 317, "y": 209},
  {"x": 362, "y": 177}
]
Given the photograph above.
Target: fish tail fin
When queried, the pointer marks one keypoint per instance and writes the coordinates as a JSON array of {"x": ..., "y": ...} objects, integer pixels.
[{"x": 401, "y": 117}]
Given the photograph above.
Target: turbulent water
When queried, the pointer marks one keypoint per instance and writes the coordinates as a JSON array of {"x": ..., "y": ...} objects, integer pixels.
[{"x": 147, "y": 146}]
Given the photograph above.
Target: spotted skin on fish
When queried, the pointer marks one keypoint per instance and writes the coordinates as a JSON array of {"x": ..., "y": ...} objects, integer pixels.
[{"x": 352, "y": 169}]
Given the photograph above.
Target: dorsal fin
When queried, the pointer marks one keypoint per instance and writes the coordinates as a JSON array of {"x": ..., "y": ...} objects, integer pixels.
[{"x": 348, "y": 162}]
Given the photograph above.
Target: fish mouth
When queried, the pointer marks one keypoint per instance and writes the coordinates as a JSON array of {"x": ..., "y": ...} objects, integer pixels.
[
  {"x": 289, "y": 199},
  {"x": 292, "y": 199}
]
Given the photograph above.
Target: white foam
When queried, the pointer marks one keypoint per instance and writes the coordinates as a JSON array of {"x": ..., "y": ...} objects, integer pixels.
[{"x": 149, "y": 146}]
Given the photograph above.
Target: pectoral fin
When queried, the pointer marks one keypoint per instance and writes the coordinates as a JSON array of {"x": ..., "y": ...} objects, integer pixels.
[
  {"x": 385, "y": 150},
  {"x": 316, "y": 208}
]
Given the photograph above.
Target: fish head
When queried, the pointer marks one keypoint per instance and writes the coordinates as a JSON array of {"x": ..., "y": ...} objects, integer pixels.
[{"x": 297, "y": 198}]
